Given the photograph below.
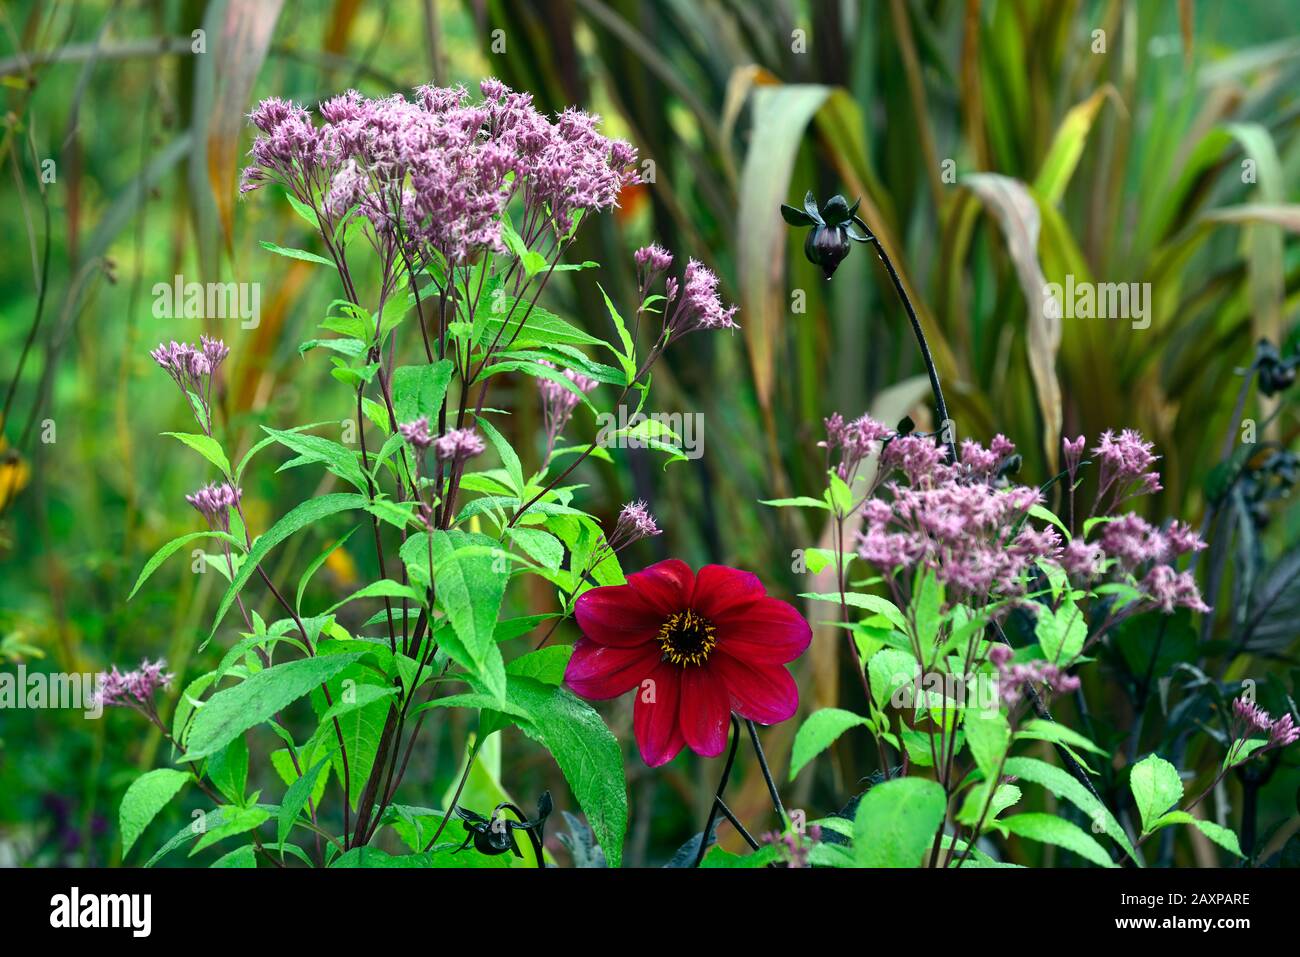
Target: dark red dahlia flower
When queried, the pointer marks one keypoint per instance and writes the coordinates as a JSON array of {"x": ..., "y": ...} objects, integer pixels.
[{"x": 696, "y": 646}]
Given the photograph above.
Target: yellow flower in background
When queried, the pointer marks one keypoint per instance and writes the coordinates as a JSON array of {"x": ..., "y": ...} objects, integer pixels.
[{"x": 14, "y": 474}]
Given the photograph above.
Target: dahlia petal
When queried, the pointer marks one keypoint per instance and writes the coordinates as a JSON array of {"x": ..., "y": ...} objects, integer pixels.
[
  {"x": 705, "y": 711},
  {"x": 765, "y": 632},
  {"x": 719, "y": 588},
  {"x": 763, "y": 693},
  {"x": 665, "y": 586},
  {"x": 654, "y": 721},
  {"x": 617, "y": 615},
  {"x": 600, "y": 671}
]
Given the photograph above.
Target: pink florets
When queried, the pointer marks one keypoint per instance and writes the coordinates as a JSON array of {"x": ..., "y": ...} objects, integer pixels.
[
  {"x": 972, "y": 533},
  {"x": 134, "y": 689},
  {"x": 1250, "y": 719},
  {"x": 558, "y": 401},
  {"x": 214, "y": 503},
  {"x": 440, "y": 167},
  {"x": 417, "y": 432},
  {"x": 698, "y": 306},
  {"x": 1126, "y": 465},
  {"x": 1170, "y": 589},
  {"x": 636, "y": 522},
  {"x": 458, "y": 445}
]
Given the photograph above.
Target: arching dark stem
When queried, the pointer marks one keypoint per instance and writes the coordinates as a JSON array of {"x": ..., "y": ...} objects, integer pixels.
[
  {"x": 767, "y": 774},
  {"x": 722, "y": 786},
  {"x": 735, "y": 822},
  {"x": 942, "y": 407}
]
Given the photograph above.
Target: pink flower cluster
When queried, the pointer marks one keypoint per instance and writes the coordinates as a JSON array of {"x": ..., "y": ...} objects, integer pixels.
[
  {"x": 698, "y": 306},
  {"x": 852, "y": 442},
  {"x": 1126, "y": 466},
  {"x": 190, "y": 365},
  {"x": 634, "y": 523},
  {"x": 952, "y": 518},
  {"x": 1013, "y": 678},
  {"x": 794, "y": 849},
  {"x": 1250, "y": 718},
  {"x": 559, "y": 402},
  {"x": 214, "y": 503},
  {"x": 439, "y": 169},
  {"x": 193, "y": 369},
  {"x": 1127, "y": 544},
  {"x": 417, "y": 432},
  {"x": 457, "y": 445},
  {"x": 135, "y": 688},
  {"x": 651, "y": 261}
]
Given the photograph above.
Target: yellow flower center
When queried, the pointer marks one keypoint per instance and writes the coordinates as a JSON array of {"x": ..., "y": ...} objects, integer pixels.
[{"x": 687, "y": 639}]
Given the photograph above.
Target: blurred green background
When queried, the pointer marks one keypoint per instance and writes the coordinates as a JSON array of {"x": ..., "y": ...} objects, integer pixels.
[{"x": 1156, "y": 143}]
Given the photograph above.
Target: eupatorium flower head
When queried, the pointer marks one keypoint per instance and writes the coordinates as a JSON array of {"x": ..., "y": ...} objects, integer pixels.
[
  {"x": 1250, "y": 719},
  {"x": 954, "y": 519},
  {"x": 134, "y": 688},
  {"x": 417, "y": 432},
  {"x": 852, "y": 442},
  {"x": 214, "y": 503},
  {"x": 695, "y": 647},
  {"x": 698, "y": 305},
  {"x": 558, "y": 401},
  {"x": 440, "y": 166},
  {"x": 457, "y": 445}
]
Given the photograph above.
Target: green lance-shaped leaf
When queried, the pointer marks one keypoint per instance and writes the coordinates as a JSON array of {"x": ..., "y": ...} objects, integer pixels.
[
  {"x": 1050, "y": 829},
  {"x": 1062, "y": 784},
  {"x": 233, "y": 711},
  {"x": 989, "y": 736},
  {"x": 469, "y": 585},
  {"x": 818, "y": 733},
  {"x": 295, "y": 253},
  {"x": 295, "y": 799},
  {"x": 312, "y": 510},
  {"x": 146, "y": 796},
  {"x": 586, "y": 751},
  {"x": 171, "y": 547},
  {"x": 206, "y": 446}
]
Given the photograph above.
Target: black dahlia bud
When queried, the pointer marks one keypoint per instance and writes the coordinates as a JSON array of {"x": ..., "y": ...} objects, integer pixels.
[
  {"x": 831, "y": 230},
  {"x": 1275, "y": 373},
  {"x": 826, "y": 246}
]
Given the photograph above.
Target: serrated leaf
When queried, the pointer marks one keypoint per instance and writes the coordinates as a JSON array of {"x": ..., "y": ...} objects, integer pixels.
[
  {"x": 1062, "y": 784},
  {"x": 509, "y": 460},
  {"x": 206, "y": 446},
  {"x": 1156, "y": 788},
  {"x": 819, "y": 732},
  {"x": 147, "y": 795},
  {"x": 296, "y": 798},
  {"x": 543, "y": 547},
  {"x": 1050, "y": 829},
  {"x": 295, "y": 253},
  {"x": 233, "y": 711},
  {"x": 989, "y": 735},
  {"x": 586, "y": 751},
  {"x": 171, "y": 547},
  {"x": 881, "y": 606},
  {"x": 421, "y": 390},
  {"x": 238, "y": 820},
  {"x": 896, "y": 822},
  {"x": 310, "y": 511}
]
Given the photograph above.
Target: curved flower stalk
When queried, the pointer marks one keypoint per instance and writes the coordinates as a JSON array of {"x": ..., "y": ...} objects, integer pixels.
[{"x": 831, "y": 229}]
